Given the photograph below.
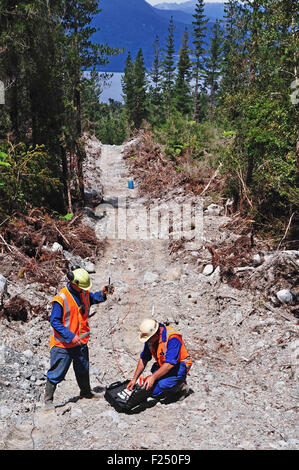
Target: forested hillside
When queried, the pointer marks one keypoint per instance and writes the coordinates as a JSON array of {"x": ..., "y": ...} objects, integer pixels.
[
  {"x": 130, "y": 25},
  {"x": 44, "y": 47},
  {"x": 134, "y": 24},
  {"x": 229, "y": 104}
]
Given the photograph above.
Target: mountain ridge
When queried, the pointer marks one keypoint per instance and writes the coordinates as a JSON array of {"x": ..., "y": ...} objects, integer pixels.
[
  {"x": 131, "y": 25},
  {"x": 212, "y": 10}
]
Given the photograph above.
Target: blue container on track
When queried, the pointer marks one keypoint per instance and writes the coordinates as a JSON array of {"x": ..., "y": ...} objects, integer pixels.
[{"x": 131, "y": 184}]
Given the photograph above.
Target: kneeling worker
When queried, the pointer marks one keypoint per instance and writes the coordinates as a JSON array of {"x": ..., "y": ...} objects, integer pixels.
[
  {"x": 172, "y": 364},
  {"x": 68, "y": 343}
]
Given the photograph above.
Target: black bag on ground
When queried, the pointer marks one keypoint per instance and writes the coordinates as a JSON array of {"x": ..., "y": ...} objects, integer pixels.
[{"x": 117, "y": 396}]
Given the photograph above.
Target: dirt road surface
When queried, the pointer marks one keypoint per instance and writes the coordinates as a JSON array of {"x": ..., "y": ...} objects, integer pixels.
[{"x": 243, "y": 379}]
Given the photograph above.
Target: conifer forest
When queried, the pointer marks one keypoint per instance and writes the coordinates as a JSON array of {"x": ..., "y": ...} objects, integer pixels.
[{"x": 228, "y": 103}]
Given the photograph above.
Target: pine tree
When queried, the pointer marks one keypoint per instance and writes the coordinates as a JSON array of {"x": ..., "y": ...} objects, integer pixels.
[
  {"x": 82, "y": 53},
  {"x": 134, "y": 90},
  {"x": 169, "y": 66},
  {"x": 46, "y": 45},
  {"x": 182, "y": 85},
  {"x": 128, "y": 88},
  {"x": 30, "y": 40},
  {"x": 156, "y": 107},
  {"x": 213, "y": 64},
  {"x": 199, "y": 34},
  {"x": 233, "y": 47},
  {"x": 92, "y": 88},
  {"x": 156, "y": 75},
  {"x": 140, "y": 93},
  {"x": 260, "y": 64}
]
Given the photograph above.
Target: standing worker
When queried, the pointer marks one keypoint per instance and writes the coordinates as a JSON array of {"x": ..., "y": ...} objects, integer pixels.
[
  {"x": 68, "y": 343},
  {"x": 169, "y": 372}
]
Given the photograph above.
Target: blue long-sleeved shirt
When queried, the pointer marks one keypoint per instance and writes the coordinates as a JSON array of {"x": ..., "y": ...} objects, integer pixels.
[
  {"x": 57, "y": 312},
  {"x": 172, "y": 353}
]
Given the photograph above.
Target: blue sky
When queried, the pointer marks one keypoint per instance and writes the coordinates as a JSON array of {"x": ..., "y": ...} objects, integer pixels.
[{"x": 154, "y": 2}]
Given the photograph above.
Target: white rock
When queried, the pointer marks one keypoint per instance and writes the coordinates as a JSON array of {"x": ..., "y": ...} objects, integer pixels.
[
  {"x": 56, "y": 247},
  {"x": 5, "y": 411},
  {"x": 28, "y": 354},
  {"x": 76, "y": 412},
  {"x": 3, "y": 284},
  {"x": 150, "y": 277},
  {"x": 214, "y": 209},
  {"x": 256, "y": 259},
  {"x": 208, "y": 269},
  {"x": 279, "y": 386},
  {"x": 284, "y": 296},
  {"x": 216, "y": 273},
  {"x": 89, "y": 267}
]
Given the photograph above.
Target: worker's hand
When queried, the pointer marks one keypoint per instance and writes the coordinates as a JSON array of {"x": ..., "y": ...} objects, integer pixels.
[
  {"x": 131, "y": 384},
  {"x": 149, "y": 382},
  {"x": 108, "y": 291},
  {"x": 77, "y": 341}
]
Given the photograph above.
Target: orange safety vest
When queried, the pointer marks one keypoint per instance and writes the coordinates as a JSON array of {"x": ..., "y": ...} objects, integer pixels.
[
  {"x": 74, "y": 318},
  {"x": 159, "y": 353}
]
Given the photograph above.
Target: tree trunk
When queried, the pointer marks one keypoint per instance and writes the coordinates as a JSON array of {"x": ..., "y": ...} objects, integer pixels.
[
  {"x": 212, "y": 100},
  {"x": 195, "y": 106},
  {"x": 66, "y": 181},
  {"x": 77, "y": 104}
]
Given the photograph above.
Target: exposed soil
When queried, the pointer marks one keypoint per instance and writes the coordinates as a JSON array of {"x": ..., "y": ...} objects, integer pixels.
[{"x": 244, "y": 378}]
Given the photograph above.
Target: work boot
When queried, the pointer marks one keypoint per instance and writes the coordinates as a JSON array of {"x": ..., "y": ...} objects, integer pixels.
[
  {"x": 49, "y": 395},
  {"x": 177, "y": 393},
  {"x": 154, "y": 400},
  {"x": 180, "y": 391},
  {"x": 85, "y": 390},
  {"x": 183, "y": 390}
]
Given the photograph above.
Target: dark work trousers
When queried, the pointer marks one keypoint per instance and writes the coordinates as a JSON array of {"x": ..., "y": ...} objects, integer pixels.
[
  {"x": 61, "y": 359},
  {"x": 168, "y": 381}
]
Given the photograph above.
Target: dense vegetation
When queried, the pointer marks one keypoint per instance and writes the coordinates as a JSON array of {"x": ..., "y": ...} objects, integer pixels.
[
  {"x": 44, "y": 48},
  {"x": 230, "y": 103},
  {"x": 235, "y": 97}
]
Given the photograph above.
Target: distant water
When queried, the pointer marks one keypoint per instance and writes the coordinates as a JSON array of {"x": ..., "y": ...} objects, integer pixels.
[{"x": 114, "y": 91}]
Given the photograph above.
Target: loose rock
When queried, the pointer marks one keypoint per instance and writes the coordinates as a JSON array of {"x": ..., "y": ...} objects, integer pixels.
[
  {"x": 285, "y": 296},
  {"x": 208, "y": 269}
]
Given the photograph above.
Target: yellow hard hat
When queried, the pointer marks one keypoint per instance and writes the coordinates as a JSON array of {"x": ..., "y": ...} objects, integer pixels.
[
  {"x": 81, "y": 278},
  {"x": 148, "y": 328}
]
